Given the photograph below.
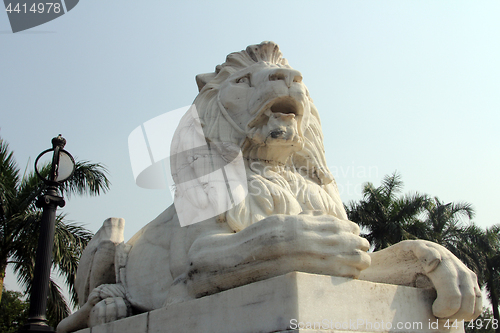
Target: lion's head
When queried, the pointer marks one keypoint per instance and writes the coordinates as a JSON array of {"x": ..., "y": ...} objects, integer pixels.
[{"x": 256, "y": 101}]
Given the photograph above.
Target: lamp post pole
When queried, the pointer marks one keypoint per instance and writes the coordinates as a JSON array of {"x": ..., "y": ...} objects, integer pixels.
[{"x": 48, "y": 201}]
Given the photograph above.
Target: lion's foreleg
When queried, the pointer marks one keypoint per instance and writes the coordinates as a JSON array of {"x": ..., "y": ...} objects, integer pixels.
[
  {"x": 106, "y": 303},
  {"x": 277, "y": 245},
  {"x": 77, "y": 320}
]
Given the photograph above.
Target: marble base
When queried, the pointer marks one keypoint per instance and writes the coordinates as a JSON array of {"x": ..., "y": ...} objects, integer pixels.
[{"x": 294, "y": 302}]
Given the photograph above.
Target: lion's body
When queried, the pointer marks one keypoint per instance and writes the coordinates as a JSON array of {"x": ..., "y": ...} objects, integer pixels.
[
  {"x": 162, "y": 247},
  {"x": 164, "y": 239},
  {"x": 292, "y": 218}
]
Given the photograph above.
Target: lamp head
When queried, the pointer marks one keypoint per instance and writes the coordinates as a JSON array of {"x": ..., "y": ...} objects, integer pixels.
[{"x": 62, "y": 163}]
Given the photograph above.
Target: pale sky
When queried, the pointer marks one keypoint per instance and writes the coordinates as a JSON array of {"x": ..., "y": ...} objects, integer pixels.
[{"x": 412, "y": 86}]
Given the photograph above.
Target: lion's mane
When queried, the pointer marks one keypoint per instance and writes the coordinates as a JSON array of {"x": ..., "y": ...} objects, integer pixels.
[{"x": 219, "y": 127}]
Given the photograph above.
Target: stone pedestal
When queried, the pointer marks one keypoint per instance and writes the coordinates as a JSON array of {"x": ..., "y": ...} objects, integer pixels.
[{"x": 295, "y": 302}]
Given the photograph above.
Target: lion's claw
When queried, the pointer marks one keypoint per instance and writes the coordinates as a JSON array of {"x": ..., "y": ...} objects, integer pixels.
[
  {"x": 458, "y": 294},
  {"x": 108, "y": 310}
]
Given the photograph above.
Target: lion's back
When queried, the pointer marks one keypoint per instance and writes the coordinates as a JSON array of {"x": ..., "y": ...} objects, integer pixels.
[{"x": 147, "y": 276}]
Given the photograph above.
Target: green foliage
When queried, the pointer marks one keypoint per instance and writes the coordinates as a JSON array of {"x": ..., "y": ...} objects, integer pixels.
[
  {"x": 386, "y": 217},
  {"x": 13, "y": 311}
]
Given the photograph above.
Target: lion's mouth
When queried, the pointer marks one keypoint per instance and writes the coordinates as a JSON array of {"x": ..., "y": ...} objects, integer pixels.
[
  {"x": 282, "y": 105},
  {"x": 285, "y": 106}
]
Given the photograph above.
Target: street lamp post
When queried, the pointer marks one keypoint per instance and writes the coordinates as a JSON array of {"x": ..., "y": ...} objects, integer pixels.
[{"x": 62, "y": 168}]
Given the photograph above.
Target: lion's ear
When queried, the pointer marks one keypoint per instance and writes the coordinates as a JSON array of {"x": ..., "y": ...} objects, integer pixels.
[{"x": 202, "y": 79}]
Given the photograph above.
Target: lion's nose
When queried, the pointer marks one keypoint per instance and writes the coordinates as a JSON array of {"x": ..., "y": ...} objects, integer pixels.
[{"x": 287, "y": 75}]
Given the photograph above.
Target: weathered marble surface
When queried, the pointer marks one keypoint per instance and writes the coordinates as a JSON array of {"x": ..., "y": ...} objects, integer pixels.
[
  {"x": 292, "y": 218},
  {"x": 287, "y": 302}
]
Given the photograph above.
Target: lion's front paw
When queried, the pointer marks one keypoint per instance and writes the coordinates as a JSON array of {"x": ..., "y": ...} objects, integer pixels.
[
  {"x": 109, "y": 309},
  {"x": 458, "y": 294}
]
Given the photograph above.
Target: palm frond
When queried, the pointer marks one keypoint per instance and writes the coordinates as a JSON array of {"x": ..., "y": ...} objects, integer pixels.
[
  {"x": 57, "y": 307},
  {"x": 30, "y": 187},
  {"x": 88, "y": 179},
  {"x": 69, "y": 242},
  {"x": 387, "y": 218},
  {"x": 392, "y": 185},
  {"x": 409, "y": 206},
  {"x": 9, "y": 179}
]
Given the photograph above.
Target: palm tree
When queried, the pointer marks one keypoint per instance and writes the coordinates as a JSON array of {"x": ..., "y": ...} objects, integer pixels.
[
  {"x": 387, "y": 217},
  {"x": 445, "y": 225},
  {"x": 445, "y": 219},
  {"x": 19, "y": 226},
  {"x": 482, "y": 248}
]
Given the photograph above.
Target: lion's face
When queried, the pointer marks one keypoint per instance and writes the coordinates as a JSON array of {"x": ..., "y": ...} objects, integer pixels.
[
  {"x": 256, "y": 103},
  {"x": 269, "y": 102}
]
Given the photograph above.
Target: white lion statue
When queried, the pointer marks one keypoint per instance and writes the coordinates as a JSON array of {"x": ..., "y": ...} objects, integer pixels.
[{"x": 291, "y": 219}]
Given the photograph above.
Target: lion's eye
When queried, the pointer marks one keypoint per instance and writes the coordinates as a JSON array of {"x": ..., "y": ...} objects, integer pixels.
[{"x": 245, "y": 79}]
